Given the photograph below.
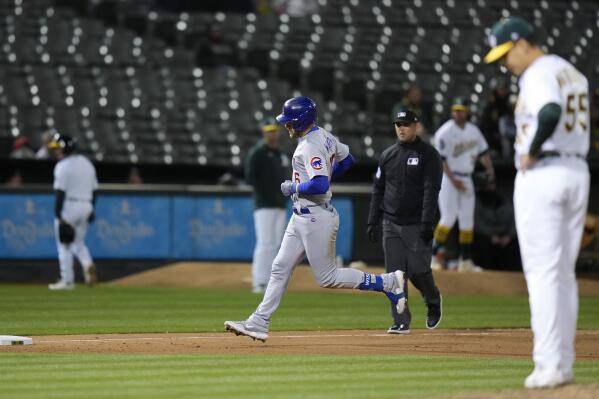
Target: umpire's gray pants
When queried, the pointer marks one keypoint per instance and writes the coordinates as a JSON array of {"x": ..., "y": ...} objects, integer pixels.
[
  {"x": 405, "y": 251},
  {"x": 310, "y": 235}
]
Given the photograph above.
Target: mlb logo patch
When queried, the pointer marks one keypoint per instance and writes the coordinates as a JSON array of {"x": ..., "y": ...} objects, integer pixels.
[
  {"x": 412, "y": 161},
  {"x": 316, "y": 163}
]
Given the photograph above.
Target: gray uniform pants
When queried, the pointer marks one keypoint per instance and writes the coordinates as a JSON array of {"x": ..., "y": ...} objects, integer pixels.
[
  {"x": 405, "y": 251},
  {"x": 312, "y": 235}
]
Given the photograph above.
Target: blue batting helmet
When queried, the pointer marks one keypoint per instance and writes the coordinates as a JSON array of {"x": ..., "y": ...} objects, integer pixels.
[{"x": 300, "y": 112}]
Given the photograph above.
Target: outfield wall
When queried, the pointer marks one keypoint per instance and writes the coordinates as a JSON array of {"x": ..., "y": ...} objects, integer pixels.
[
  {"x": 163, "y": 223},
  {"x": 197, "y": 223}
]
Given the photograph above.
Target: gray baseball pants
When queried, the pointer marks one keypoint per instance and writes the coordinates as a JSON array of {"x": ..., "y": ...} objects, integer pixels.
[
  {"x": 312, "y": 235},
  {"x": 405, "y": 251}
]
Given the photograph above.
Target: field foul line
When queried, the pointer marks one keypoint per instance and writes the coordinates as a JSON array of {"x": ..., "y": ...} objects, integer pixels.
[
  {"x": 227, "y": 336},
  {"x": 297, "y": 336}
]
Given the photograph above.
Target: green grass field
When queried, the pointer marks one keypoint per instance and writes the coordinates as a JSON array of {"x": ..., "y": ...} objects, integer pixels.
[
  {"x": 34, "y": 310},
  {"x": 169, "y": 376}
]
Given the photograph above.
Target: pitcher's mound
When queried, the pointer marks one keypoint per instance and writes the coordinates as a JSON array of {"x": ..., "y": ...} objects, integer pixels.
[{"x": 238, "y": 275}]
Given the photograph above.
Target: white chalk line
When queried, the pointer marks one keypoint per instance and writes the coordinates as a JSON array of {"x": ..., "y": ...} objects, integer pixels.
[{"x": 294, "y": 336}]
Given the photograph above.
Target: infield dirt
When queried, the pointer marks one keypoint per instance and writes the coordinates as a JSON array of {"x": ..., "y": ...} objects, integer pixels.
[
  {"x": 492, "y": 342},
  {"x": 238, "y": 275}
]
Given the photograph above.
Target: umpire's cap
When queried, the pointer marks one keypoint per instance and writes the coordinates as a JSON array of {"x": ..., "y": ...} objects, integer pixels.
[
  {"x": 67, "y": 143},
  {"x": 504, "y": 34},
  {"x": 406, "y": 116},
  {"x": 459, "y": 104},
  {"x": 270, "y": 125}
]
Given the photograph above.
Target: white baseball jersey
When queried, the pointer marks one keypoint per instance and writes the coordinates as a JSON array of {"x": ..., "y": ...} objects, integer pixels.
[
  {"x": 76, "y": 176},
  {"x": 460, "y": 147},
  {"x": 315, "y": 155},
  {"x": 550, "y": 203},
  {"x": 551, "y": 79}
]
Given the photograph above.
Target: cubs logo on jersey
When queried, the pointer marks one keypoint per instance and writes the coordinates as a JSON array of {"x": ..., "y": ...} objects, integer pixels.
[
  {"x": 311, "y": 158},
  {"x": 316, "y": 163}
]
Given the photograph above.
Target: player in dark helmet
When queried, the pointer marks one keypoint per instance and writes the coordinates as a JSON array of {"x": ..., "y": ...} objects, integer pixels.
[
  {"x": 75, "y": 186},
  {"x": 299, "y": 113},
  {"x": 62, "y": 145},
  {"x": 312, "y": 230}
]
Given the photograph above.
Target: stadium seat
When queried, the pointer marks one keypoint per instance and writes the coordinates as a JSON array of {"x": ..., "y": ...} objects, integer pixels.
[{"x": 73, "y": 65}]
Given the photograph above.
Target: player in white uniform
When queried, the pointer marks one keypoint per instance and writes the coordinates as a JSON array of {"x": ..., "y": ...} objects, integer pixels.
[
  {"x": 551, "y": 191},
  {"x": 75, "y": 185},
  {"x": 312, "y": 230},
  {"x": 266, "y": 166},
  {"x": 460, "y": 144}
]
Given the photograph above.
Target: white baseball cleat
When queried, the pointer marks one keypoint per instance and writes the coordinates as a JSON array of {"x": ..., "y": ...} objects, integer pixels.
[
  {"x": 247, "y": 329},
  {"x": 61, "y": 286},
  {"x": 468, "y": 266},
  {"x": 438, "y": 260},
  {"x": 545, "y": 378},
  {"x": 259, "y": 289},
  {"x": 396, "y": 295},
  {"x": 435, "y": 264}
]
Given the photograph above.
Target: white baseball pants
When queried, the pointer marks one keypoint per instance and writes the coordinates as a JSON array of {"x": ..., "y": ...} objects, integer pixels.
[
  {"x": 76, "y": 214},
  {"x": 457, "y": 204},
  {"x": 269, "y": 224},
  {"x": 550, "y": 204}
]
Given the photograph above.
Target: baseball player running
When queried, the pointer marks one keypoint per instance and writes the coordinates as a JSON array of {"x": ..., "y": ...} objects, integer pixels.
[
  {"x": 75, "y": 186},
  {"x": 460, "y": 144},
  {"x": 312, "y": 229},
  {"x": 551, "y": 190}
]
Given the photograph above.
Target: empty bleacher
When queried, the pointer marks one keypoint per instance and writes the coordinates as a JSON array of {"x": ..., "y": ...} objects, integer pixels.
[{"x": 129, "y": 80}]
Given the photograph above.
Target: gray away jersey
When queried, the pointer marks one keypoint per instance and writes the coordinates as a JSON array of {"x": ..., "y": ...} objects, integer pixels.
[{"x": 315, "y": 155}]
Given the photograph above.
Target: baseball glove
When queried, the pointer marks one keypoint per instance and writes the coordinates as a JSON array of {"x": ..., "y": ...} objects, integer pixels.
[{"x": 66, "y": 232}]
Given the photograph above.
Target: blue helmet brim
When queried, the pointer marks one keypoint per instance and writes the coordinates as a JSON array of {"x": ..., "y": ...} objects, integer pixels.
[{"x": 282, "y": 119}]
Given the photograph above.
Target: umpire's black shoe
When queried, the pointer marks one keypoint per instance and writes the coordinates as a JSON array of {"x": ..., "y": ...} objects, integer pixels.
[
  {"x": 399, "y": 329},
  {"x": 435, "y": 312}
]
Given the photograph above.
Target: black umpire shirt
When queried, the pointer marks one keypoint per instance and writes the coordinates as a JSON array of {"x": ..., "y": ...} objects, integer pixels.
[{"x": 407, "y": 183}]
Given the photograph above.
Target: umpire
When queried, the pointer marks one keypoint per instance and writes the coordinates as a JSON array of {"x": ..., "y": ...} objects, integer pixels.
[{"x": 404, "y": 195}]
